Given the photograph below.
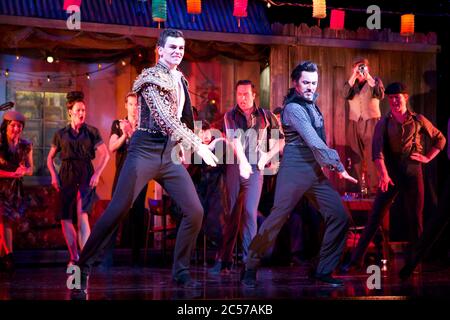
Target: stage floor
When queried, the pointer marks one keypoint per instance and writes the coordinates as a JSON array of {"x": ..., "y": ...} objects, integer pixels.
[{"x": 292, "y": 283}]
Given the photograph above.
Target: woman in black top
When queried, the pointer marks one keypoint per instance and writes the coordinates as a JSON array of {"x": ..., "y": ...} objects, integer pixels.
[
  {"x": 16, "y": 161},
  {"x": 77, "y": 144}
]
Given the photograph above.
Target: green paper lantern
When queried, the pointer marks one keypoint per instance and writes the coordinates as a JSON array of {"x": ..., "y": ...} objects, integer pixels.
[{"x": 159, "y": 10}]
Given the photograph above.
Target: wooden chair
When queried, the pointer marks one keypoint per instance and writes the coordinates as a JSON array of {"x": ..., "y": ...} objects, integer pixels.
[{"x": 157, "y": 208}]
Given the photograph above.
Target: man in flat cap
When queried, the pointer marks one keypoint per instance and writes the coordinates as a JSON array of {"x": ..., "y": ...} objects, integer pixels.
[{"x": 398, "y": 153}]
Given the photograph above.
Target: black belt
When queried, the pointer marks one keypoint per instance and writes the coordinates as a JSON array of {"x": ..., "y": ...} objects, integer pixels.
[{"x": 153, "y": 133}]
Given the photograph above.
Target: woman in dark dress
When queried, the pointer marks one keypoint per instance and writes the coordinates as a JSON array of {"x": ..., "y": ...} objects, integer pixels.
[
  {"x": 16, "y": 161},
  {"x": 78, "y": 144}
]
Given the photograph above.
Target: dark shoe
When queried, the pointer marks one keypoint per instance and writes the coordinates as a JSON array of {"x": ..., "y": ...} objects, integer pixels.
[
  {"x": 185, "y": 281},
  {"x": 77, "y": 294},
  {"x": 328, "y": 279},
  {"x": 248, "y": 278}
]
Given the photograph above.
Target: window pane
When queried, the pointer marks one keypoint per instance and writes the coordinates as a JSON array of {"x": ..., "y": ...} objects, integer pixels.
[
  {"x": 55, "y": 106},
  {"x": 30, "y": 104}
]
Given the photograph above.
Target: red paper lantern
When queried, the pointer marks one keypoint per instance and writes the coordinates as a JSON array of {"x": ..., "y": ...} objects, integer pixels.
[
  {"x": 194, "y": 6},
  {"x": 240, "y": 8},
  {"x": 337, "y": 19},
  {"x": 68, "y": 3}
]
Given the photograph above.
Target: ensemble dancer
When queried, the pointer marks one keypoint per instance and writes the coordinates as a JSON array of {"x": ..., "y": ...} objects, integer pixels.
[
  {"x": 398, "y": 153},
  {"x": 16, "y": 161},
  {"x": 77, "y": 144},
  {"x": 119, "y": 140},
  {"x": 249, "y": 129}
]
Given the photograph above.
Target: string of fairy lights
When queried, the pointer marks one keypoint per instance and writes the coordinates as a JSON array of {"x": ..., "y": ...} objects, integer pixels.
[{"x": 240, "y": 11}]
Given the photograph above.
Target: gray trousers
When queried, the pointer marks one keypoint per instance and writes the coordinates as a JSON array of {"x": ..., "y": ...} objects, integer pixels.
[
  {"x": 359, "y": 137},
  {"x": 149, "y": 158},
  {"x": 249, "y": 191},
  {"x": 306, "y": 179}
]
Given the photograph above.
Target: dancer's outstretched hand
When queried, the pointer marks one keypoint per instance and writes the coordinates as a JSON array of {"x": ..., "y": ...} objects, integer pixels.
[
  {"x": 344, "y": 175},
  {"x": 245, "y": 169},
  {"x": 207, "y": 156}
]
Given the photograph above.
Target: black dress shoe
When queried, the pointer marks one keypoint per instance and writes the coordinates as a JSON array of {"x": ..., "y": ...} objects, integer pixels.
[
  {"x": 328, "y": 279},
  {"x": 248, "y": 278},
  {"x": 78, "y": 294},
  {"x": 185, "y": 281}
]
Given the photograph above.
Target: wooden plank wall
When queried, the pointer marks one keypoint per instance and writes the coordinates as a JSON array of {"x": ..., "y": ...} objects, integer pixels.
[
  {"x": 220, "y": 76},
  {"x": 416, "y": 69}
]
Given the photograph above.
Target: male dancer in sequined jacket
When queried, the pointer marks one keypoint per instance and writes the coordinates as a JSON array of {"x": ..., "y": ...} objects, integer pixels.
[{"x": 165, "y": 119}]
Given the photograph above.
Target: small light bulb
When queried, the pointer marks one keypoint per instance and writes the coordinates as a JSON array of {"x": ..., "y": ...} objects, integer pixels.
[
  {"x": 17, "y": 57},
  {"x": 124, "y": 63},
  {"x": 6, "y": 72},
  {"x": 88, "y": 76},
  {"x": 99, "y": 66},
  {"x": 50, "y": 59},
  {"x": 48, "y": 78},
  {"x": 268, "y": 4}
]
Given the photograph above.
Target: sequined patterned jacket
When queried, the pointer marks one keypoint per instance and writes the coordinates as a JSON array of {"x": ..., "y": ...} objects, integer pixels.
[{"x": 156, "y": 89}]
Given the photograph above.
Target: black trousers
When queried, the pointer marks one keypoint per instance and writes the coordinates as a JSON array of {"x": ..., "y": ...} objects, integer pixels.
[
  {"x": 149, "y": 158},
  {"x": 434, "y": 230},
  {"x": 133, "y": 229},
  {"x": 407, "y": 177},
  {"x": 294, "y": 182}
]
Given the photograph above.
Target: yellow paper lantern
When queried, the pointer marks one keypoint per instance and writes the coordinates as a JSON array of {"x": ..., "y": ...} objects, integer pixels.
[
  {"x": 407, "y": 25},
  {"x": 319, "y": 9},
  {"x": 194, "y": 6}
]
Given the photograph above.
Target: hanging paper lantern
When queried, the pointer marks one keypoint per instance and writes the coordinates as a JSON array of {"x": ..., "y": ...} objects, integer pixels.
[
  {"x": 337, "y": 19},
  {"x": 319, "y": 9},
  {"x": 159, "y": 10},
  {"x": 407, "y": 25},
  {"x": 240, "y": 8},
  {"x": 68, "y": 3},
  {"x": 194, "y": 6}
]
